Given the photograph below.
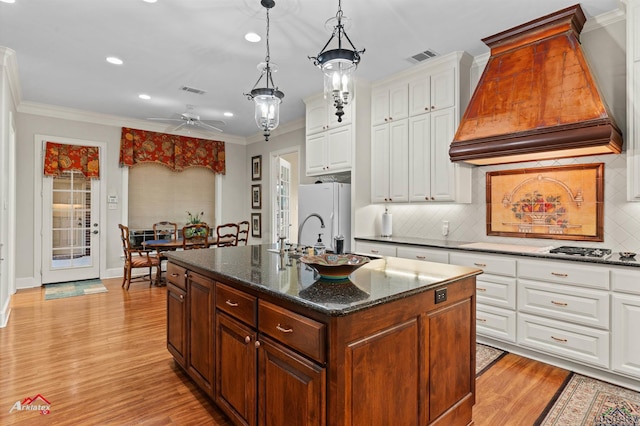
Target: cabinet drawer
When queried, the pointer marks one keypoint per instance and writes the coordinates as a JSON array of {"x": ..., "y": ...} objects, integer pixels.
[
  {"x": 624, "y": 280},
  {"x": 496, "y": 322},
  {"x": 560, "y": 338},
  {"x": 579, "y": 305},
  {"x": 236, "y": 303},
  {"x": 497, "y": 291},
  {"x": 428, "y": 255},
  {"x": 375, "y": 249},
  {"x": 177, "y": 275},
  {"x": 579, "y": 274},
  {"x": 296, "y": 331},
  {"x": 489, "y": 264}
]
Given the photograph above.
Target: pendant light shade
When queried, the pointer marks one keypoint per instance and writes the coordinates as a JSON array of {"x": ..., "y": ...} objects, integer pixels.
[
  {"x": 267, "y": 99},
  {"x": 338, "y": 65}
]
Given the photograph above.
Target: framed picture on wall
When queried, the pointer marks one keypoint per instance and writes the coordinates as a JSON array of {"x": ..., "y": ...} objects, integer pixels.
[
  {"x": 256, "y": 225},
  {"x": 256, "y": 167},
  {"x": 256, "y": 196}
]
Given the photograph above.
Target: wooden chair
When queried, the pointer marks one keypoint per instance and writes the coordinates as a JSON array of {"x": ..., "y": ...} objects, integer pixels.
[
  {"x": 165, "y": 231},
  {"x": 227, "y": 235},
  {"x": 195, "y": 236},
  {"x": 135, "y": 258},
  {"x": 243, "y": 232}
]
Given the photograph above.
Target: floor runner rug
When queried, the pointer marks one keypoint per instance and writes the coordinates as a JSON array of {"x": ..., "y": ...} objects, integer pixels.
[
  {"x": 73, "y": 288},
  {"x": 584, "y": 401},
  {"x": 486, "y": 356}
]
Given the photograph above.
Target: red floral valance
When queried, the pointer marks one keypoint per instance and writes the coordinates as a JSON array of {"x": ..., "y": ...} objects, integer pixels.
[
  {"x": 175, "y": 152},
  {"x": 60, "y": 158}
]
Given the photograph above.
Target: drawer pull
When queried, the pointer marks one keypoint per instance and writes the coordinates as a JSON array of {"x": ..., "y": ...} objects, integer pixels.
[
  {"x": 247, "y": 339},
  {"x": 559, "y": 340},
  {"x": 481, "y": 320},
  {"x": 174, "y": 274},
  {"x": 480, "y": 265},
  {"x": 374, "y": 251},
  {"x": 481, "y": 289},
  {"x": 284, "y": 330},
  {"x": 558, "y": 274},
  {"x": 559, "y": 303},
  {"x": 421, "y": 257},
  {"x": 230, "y": 303}
]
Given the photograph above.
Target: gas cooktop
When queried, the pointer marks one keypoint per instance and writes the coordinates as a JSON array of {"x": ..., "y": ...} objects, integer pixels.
[{"x": 582, "y": 251}]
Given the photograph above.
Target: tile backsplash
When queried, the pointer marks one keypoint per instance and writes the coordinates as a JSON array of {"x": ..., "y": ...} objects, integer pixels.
[{"x": 467, "y": 222}]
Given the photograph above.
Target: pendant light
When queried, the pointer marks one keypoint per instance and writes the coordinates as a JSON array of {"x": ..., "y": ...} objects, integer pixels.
[
  {"x": 338, "y": 65},
  {"x": 267, "y": 99}
]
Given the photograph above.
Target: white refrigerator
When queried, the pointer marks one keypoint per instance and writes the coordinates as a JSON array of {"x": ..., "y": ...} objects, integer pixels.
[{"x": 332, "y": 202}]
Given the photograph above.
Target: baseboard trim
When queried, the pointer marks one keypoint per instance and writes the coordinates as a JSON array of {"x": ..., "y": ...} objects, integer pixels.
[{"x": 26, "y": 282}]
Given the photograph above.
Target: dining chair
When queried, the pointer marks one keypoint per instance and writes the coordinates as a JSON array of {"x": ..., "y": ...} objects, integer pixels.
[
  {"x": 136, "y": 258},
  {"x": 227, "y": 235},
  {"x": 243, "y": 232},
  {"x": 165, "y": 230},
  {"x": 195, "y": 236}
]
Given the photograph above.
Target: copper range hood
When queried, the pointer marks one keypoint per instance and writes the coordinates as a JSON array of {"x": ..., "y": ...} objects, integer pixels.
[{"x": 536, "y": 99}]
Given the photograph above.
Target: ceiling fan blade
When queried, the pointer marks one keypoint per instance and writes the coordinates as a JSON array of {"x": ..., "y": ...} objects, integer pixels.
[
  {"x": 207, "y": 126},
  {"x": 165, "y": 119}
]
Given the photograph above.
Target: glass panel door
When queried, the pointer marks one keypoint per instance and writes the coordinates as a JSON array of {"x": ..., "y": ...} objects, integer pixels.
[{"x": 282, "y": 216}]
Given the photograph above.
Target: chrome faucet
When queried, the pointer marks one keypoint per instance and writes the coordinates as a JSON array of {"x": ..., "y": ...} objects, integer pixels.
[{"x": 305, "y": 221}]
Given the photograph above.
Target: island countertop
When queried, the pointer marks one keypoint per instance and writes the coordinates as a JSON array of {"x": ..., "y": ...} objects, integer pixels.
[{"x": 261, "y": 269}]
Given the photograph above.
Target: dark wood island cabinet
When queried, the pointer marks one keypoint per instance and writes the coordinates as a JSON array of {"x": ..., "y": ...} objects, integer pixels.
[{"x": 273, "y": 344}]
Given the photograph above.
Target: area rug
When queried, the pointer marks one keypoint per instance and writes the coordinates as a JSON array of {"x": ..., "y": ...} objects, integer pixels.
[
  {"x": 585, "y": 401},
  {"x": 486, "y": 356},
  {"x": 73, "y": 288}
]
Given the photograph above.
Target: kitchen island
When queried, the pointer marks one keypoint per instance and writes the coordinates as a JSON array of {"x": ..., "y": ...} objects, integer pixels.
[{"x": 271, "y": 343}]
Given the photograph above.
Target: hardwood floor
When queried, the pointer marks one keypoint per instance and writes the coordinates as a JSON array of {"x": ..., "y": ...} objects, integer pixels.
[{"x": 102, "y": 359}]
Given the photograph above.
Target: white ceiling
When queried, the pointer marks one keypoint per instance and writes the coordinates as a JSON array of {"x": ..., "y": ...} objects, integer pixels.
[{"x": 61, "y": 46}]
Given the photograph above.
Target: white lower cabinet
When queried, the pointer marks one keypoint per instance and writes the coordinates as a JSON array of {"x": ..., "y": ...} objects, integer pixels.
[
  {"x": 375, "y": 249},
  {"x": 427, "y": 255},
  {"x": 579, "y": 343},
  {"x": 497, "y": 323},
  {"x": 625, "y": 334}
]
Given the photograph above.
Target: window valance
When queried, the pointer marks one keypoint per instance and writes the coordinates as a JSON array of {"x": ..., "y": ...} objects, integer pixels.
[
  {"x": 60, "y": 158},
  {"x": 175, "y": 152}
]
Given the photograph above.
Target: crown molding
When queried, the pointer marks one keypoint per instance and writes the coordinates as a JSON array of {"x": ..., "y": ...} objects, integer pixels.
[
  {"x": 605, "y": 19},
  {"x": 54, "y": 111},
  {"x": 10, "y": 64}
]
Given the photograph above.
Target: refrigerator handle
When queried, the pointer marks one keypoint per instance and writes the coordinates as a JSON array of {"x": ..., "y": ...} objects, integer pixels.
[{"x": 331, "y": 233}]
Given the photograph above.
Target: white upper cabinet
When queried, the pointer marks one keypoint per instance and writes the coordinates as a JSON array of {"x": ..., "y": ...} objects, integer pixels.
[
  {"x": 429, "y": 103},
  {"x": 321, "y": 116},
  {"x": 632, "y": 137}
]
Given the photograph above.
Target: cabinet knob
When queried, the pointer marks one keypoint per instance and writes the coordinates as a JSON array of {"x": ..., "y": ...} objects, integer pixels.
[
  {"x": 230, "y": 303},
  {"x": 432, "y": 198},
  {"x": 433, "y": 107},
  {"x": 426, "y": 198},
  {"x": 390, "y": 118},
  {"x": 181, "y": 297},
  {"x": 247, "y": 339},
  {"x": 386, "y": 119},
  {"x": 426, "y": 108},
  {"x": 257, "y": 344}
]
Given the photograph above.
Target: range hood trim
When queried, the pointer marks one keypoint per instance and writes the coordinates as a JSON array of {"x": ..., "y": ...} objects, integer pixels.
[{"x": 585, "y": 136}]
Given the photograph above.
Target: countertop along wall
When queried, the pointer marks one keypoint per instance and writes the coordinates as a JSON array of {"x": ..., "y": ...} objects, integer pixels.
[{"x": 605, "y": 51}]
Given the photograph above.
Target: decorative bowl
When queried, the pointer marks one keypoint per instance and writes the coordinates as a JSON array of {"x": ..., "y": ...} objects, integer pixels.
[
  {"x": 335, "y": 266},
  {"x": 627, "y": 254}
]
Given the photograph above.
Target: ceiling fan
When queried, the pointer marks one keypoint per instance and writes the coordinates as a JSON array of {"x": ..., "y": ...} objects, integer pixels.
[{"x": 190, "y": 119}]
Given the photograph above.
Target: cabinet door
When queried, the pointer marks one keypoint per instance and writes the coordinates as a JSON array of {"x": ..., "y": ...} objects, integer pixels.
[
  {"x": 379, "y": 105},
  {"x": 287, "y": 380},
  {"x": 420, "y": 158},
  {"x": 443, "y": 89},
  {"x": 380, "y": 164},
  {"x": 625, "y": 343},
  {"x": 443, "y": 182},
  {"x": 399, "y": 161},
  {"x": 177, "y": 323},
  {"x": 339, "y": 149},
  {"x": 316, "y": 155},
  {"x": 236, "y": 369},
  {"x": 316, "y": 116},
  {"x": 200, "y": 302},
  {"x": 398, "y": 102},
  {"x": 420, "y": 95}
]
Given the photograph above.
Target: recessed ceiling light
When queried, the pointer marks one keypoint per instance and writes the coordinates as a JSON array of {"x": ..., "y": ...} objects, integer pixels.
[
  {"x": 228, "y": 114},
  {"x": 8, "y": 1},
  {"x": 252, "y": 37},
  {"x": 143, "y": 96},
  {"x": 149, "y": 1},
  {"x": 115, "y": 61}
]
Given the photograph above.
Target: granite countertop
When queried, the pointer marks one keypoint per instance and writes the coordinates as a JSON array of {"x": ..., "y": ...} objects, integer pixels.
[
  {"x": 379, "y": 281},
  {"x": 614, "y": 259}
]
